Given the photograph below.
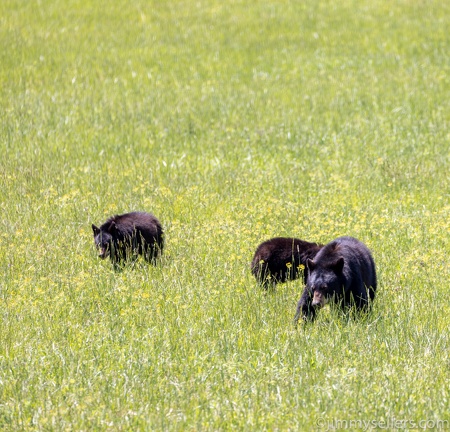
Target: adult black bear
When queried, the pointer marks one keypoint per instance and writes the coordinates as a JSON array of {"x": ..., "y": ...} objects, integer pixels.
[
  {"x": 343, "y": 271},
  {"x": 282, "y": 258},
  {"x": 130, "y": 234}
]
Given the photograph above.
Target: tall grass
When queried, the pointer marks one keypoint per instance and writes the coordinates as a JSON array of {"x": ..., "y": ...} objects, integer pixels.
[{"x": 232, "y": 122}]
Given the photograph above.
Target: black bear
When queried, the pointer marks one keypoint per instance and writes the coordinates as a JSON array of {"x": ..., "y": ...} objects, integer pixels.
[
  {"x": 282, "y": 258},
  {"x": 130, "y": 234},
  {"x": 343, "y": 271}
]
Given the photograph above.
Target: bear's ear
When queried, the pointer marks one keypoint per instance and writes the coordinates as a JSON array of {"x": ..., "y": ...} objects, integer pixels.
[
  {"x": 339, "y": 265},
  {"x": 310, "y": 264},
  {"x": 96, "y": 230}
]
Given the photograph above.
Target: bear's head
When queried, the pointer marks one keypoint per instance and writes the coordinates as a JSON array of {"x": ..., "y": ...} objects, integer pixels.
[
  {"x": 103, "y": 240},
  {"x": 325, "y": 280}
]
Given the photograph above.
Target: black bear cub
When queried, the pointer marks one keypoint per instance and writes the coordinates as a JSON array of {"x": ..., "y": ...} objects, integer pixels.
[
  {"x": 343, "y": 271},
  {"x": 124, "y": 236},
  {"x": 282, "y": 258}
]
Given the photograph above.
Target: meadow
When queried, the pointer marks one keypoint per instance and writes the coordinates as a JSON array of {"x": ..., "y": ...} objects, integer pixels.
[{"x": 232, "y": 122}]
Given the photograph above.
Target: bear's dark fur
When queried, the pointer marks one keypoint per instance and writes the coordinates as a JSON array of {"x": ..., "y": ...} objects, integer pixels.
[
  {"x": 127, "y": 235},
  {"x": 282, "y": 258},
  {"x": 343, "y": 271}
]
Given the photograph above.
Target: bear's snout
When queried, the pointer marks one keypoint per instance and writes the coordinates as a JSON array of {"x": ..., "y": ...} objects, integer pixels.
[{"x": 319, "y": 299}]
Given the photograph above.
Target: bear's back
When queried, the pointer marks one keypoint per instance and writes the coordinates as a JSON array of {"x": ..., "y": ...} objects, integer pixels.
[
  {"x": 358, "y": 259},
  {"x": 142, "y": 221}
]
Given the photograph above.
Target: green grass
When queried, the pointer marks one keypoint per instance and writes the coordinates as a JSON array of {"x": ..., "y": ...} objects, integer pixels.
[{"x": 232, "y": 122}]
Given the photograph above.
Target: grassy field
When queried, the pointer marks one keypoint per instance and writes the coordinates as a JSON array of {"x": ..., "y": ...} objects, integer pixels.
[{"x": 232, "y": 122}]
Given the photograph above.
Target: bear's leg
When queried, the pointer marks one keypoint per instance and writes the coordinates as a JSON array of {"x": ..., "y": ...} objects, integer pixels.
[
  {"x": 358, "y": 297},
  {"x": 305, "y": 309},
  {"x": 151, "y": 253}
]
